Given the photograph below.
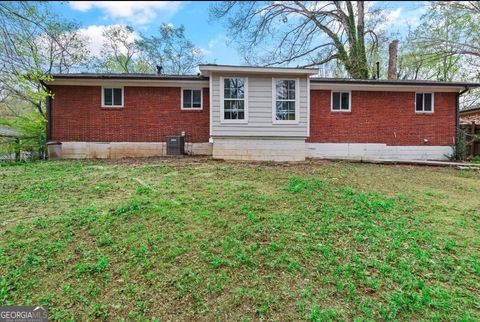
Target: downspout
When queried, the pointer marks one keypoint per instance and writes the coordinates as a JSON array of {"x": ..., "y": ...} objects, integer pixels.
[{"x": 457, "y": 111}]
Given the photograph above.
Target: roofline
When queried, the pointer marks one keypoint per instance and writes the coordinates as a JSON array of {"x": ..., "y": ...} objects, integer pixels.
[
  {"x": 207, "y": 69},
  {"x": 130, "y": 77},
  {"x": 392, "y": 82},
  {"x": 473, "y": 110}
]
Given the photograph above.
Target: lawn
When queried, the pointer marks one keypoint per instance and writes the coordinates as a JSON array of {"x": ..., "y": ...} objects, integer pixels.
[{"x": 196, "y": 239}]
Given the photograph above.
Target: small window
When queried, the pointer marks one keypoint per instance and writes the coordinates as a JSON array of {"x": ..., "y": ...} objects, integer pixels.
[
  {"x": 424, "y": 102},
  {"x": 341, "y": 101},
  {"x": 191, "y": 99},
  {"x": 234, "y": 99},
  {"x": 285, "y": 100},
  {"x": 112, "y": 97}
]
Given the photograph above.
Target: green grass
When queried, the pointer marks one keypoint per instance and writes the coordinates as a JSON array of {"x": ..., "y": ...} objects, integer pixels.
[{"x": 190, "y": 239}]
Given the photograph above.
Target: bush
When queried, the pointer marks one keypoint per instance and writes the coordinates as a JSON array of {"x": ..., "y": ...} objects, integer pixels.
[
  {"x": 459, "y": 148},
  {"x": 32, "y": 144}
]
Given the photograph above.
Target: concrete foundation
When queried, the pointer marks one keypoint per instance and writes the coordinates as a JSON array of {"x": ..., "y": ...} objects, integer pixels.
[
  {"x": 374, "y": 151},
  {"x": 118, "y": 150},
  {"x": 254, "y": 149}
]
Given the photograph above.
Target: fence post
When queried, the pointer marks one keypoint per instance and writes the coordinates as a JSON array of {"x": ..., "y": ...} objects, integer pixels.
[{"x": 472, "y": 133}]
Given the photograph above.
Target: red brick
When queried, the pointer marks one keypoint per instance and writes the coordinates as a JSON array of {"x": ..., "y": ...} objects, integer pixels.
[
  {"x": 149, "y": 115},
  {"x": 382, "y": 117}
]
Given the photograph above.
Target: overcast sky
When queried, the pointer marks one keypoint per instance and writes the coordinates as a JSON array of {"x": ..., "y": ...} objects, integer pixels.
[{"x": 210, "y": 36}]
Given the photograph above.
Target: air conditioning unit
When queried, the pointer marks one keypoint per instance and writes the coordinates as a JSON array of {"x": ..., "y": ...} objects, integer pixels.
[{"x": 175, "y": 145}]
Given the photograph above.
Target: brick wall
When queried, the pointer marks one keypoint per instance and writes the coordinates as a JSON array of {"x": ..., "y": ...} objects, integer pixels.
[
  {"x": 382, "y": 117},
  {"x": 149, "y": 115}
]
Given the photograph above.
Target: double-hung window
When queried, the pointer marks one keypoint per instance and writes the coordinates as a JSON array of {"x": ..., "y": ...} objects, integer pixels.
[
  {"x": 112, "y": 96},
  {"x": 424, "y": 102},
  {"x": 234, "y": 99},
  {"x": 191, "y": 99},
  {"x": 341, "y": 102},
  {"x": 285, "y": 101}
]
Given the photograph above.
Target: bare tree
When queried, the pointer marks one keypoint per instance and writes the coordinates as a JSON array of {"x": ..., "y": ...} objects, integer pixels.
[{"x": 310, "y": 32}]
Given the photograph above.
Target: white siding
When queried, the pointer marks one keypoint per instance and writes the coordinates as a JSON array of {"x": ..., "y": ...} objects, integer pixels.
[{"x": 260, "y": 122}]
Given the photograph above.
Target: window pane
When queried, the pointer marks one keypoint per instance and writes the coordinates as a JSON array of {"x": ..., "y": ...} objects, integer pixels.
[
  {"x": 336, "y": 101},
  {"x": 285, "y": 89},
  {"x": 117, "y": 96},
  {"x": 187, "y": 98},
  {"x": 234, "y": 110},
  {"x": 345, "y": 101},
  {"x": 234, "y": 88},
  {"x": 197, "y": 98},
  {"x": 107, "y": 96},
  {"x": 428, "y": 102},
  {"x": 285, "y": 111},
  {"x": 419, "y": 102}
]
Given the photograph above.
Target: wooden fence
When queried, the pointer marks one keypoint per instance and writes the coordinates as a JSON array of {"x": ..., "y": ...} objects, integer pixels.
[{"x": 473, "y": 138}]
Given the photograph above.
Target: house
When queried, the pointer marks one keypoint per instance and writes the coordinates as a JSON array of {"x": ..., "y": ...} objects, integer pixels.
[
  {"x": 470, "y": 115},
  {"x": 253, "y": 113}
]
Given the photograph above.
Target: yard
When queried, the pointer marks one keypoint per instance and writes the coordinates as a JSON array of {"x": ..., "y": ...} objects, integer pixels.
[{"x": 196, "y": 239}]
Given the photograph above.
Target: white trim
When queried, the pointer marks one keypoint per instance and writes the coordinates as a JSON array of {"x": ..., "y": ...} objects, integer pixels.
[
  {"x": 210, "y": 95},
  {"x": 308, "y": 107},
  {"x": 274, "y": 102},
  {"x": 112, "y": 106},
  {"x": 208, "y": 69},
  {"x": 384, "y": 88},
  {"x": 127, "y": 82},
  {"x": 245, "y": 101},
  {"x": 191, "y": 108},
  {"x": 349, "y": 101},
  {"x": 423, "y": 101}
]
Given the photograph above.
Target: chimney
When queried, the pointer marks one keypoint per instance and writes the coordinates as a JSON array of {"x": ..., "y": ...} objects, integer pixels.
[
  {"x": 159, "y": 70},
  {"x": 392, "y": 60}
]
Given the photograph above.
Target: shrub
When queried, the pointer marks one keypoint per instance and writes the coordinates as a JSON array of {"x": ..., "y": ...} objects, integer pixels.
[{"x": 459, "y": 148}]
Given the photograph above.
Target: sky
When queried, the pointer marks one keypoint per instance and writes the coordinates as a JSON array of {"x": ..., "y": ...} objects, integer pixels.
[{"x": 210, "y": 36}]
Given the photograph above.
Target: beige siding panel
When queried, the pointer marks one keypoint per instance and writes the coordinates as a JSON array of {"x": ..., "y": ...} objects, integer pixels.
[{"x": 259, "y": 110}]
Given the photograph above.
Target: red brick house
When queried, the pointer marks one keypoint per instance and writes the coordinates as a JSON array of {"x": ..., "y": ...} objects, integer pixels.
[
  {"x": 470, "y": 115},
  {"x": 253, "y": 113}
]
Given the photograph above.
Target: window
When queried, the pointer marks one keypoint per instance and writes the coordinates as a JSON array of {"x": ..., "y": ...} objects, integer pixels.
[
  {"x": 112, "y": 97},
  {"x": 285, "y": 101},
  {"x": 191, "y": 99},
  {"x": 341, "y": 101},
  {"x": 424, "y": 103},
  {"x": 234, "y": 99}
]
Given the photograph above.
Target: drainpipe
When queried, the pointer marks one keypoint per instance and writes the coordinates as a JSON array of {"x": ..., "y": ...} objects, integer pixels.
[{"x": 457, "y": 112}]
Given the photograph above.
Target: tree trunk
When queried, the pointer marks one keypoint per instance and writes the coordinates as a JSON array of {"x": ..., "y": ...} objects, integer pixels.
[{"x": 392, "y": 60}]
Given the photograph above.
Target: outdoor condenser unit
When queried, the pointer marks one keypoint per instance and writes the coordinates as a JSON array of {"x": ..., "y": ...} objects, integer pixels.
[{"x": 175, "y": 145}]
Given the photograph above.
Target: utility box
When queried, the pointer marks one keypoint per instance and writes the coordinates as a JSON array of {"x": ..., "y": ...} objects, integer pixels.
[{"x": 175, "y": 145}]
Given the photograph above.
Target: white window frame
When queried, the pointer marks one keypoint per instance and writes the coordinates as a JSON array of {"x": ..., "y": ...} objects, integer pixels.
[
  {"x": 349, "y": 101},
  {"x": 297, "y": 101},
  {"x": 191, "y": 108},
  {"x": 112, "y": 87},
  {"x": 222, "y": 100},
  {"x": 423, "y": 101}
]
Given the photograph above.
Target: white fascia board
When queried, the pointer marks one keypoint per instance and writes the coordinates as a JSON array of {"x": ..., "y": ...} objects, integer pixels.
[
  {"x": 128, "y": 82},
  {"x": 384, "y": 88},
  {"x": 207, "y": 70}
]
